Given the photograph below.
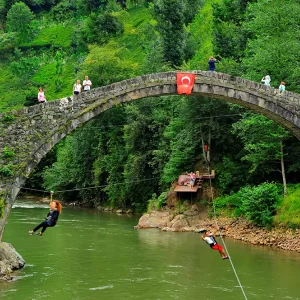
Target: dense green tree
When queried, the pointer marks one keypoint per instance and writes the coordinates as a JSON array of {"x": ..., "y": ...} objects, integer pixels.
[
  {"x": 191, "y": 8},
  {"x": 35, "y": 5},
  {"x": 263, "y": 141},
  {"x": 170, "y": 17},
  {"x": 93, "y": 5},
  {"x": 106, "y": 66},
  {"x": 18, "y": 19},
  {"x": 229, "y": 37},
  {"x": 65, "y": 9},
  {"x": 100, "y": 28}
]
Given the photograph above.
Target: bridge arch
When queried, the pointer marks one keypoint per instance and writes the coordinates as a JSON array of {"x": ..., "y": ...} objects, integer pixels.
[{"x": 31, "y": 132}]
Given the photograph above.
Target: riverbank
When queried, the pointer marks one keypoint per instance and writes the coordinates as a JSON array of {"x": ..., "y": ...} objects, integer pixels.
[
  {"x": 239, "y": 229},
  {"x": 10, "y": 260}
]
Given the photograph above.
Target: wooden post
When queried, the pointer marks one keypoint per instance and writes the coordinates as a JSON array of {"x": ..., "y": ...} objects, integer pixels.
[{"x": 51, "y": 194}]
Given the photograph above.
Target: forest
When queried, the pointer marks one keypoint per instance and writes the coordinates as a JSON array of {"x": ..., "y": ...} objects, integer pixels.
[{"x": 130, "y": 156}]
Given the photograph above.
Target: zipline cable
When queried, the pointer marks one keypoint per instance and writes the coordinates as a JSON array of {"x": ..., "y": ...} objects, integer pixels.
[
  {"x": 91, "y": 187},
  {"x": 216, "y": 221}
]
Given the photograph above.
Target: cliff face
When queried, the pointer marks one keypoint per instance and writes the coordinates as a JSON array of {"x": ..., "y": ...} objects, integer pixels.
[
  {"x": 240, "y": 229},
  {"x": 10, "y": 260}
]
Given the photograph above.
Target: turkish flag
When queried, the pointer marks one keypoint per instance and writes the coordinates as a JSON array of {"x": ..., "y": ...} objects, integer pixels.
[{"x": 185, "y": 83}]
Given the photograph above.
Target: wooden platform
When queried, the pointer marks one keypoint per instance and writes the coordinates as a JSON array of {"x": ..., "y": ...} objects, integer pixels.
[
  {"x": 187, "y": 189},
  {"x": 185, "y": 179}
]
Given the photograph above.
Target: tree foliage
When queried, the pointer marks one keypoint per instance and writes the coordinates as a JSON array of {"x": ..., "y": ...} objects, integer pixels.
[
  {"x": 18, "y": 19},
  {"x": 100, "y": 28},
  {"x": 169, "y": 14}
]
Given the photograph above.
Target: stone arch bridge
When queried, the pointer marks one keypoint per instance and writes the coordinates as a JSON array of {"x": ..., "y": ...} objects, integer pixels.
[{"x": 27, "y": 135}]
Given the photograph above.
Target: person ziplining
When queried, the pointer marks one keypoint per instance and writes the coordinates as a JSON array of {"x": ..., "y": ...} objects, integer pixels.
[
  {"x": 51, "y": 219},
  {"x": 209, "y": 238}
]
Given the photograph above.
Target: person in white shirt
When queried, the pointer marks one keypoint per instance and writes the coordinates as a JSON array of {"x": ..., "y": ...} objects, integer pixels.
[
  {"x": 77, "y": 88},
  {"x": 266, "y": 80},
  {"x": 209, "y": 238},
  {"x": 86, "y": 84}
]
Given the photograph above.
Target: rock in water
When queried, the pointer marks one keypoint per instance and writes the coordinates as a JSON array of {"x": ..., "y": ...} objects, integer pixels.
[{"x": 10, "y": 260}]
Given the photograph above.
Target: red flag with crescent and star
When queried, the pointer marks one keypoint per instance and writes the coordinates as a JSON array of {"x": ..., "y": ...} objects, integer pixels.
[{"x": 185, "y": 83}]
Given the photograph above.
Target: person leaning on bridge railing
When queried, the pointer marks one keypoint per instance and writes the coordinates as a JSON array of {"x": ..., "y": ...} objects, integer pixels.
[{"x": 77, "y": 88}]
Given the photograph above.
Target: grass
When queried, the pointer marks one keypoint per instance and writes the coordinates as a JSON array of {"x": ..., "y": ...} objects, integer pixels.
[
  {"x": 289, "y": 212},
  {"x": 134, "y": 21},
  {"x": 59, "y": 35}
]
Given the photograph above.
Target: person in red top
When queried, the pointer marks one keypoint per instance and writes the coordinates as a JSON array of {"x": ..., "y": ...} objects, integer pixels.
[{"x": 209, "y": 238}]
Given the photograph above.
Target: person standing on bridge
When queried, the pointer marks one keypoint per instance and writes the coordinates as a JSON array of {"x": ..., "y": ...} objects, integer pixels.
[
  {"x": 51, "y": 219},
  {"x": 282, "y": 87},
  {"x": 266, "y": 80},
  {"x": 86, "y": 84},
  {"x": 211, "y": 64},
  {"x": 209, "y": 238},
  {"x": 77, "y": 88},
  {"x": 41, "y": 96}
]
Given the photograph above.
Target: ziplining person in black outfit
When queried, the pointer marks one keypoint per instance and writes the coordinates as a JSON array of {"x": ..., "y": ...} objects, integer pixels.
[{"x": 51, "y": 219}]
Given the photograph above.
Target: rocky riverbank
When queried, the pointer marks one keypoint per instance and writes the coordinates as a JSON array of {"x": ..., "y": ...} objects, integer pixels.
[
  {"x": 239, "y": 229},
  {"x": 10, "y": 260}
]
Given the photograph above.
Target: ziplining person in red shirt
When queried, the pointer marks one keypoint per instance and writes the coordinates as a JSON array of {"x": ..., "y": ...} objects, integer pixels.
[{"x": 209, "y": 238}]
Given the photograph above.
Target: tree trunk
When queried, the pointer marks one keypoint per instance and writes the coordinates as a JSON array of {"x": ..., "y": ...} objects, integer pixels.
[
  {"x": 283, "y": 171},
  {"x": 206, "y": 154}
]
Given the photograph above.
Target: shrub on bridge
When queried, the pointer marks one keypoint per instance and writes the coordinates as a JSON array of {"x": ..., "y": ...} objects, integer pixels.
[
  {"x": 1, "y": 206},
  {"x": 6, "y": 171},
  {"x": 8, "y": 153},
  {"x": 8, "y": 118}
]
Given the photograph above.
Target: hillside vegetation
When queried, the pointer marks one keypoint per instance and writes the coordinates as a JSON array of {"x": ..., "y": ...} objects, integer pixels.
[{"x": 52, "y": 43}]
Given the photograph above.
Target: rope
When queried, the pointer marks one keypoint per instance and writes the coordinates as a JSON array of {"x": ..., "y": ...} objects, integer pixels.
[
  {"x": 91, "y": 187},
  {"x": 216, "y": 221}
]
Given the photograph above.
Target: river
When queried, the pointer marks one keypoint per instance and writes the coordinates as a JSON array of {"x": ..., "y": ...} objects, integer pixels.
[{"x": 95, "y": 255}]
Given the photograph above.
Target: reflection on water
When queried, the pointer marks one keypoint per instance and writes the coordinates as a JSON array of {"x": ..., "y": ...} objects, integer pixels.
[{"x": 93, "y": 255}]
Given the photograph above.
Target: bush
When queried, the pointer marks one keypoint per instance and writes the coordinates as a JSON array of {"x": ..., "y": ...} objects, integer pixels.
[
  {"x": 231, "y": 204},
  {"x": 259, "y": 203},
  {"x": 157, "y": 202}
]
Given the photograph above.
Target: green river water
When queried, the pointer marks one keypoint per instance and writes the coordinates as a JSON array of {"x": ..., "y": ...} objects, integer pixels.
[{"x": 92, "y": 255}]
